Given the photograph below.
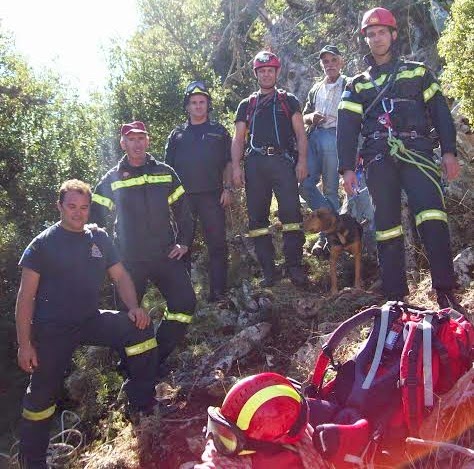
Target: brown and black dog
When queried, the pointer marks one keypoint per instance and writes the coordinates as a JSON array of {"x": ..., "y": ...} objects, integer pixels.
[{"x": 343, "y": 233}]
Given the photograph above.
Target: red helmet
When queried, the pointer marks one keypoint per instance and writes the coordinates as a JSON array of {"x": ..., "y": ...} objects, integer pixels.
[
  {"x": 267, "y": 407},
  {"x": 377, "y": 17},
  {"x": 266, "y": 59}
]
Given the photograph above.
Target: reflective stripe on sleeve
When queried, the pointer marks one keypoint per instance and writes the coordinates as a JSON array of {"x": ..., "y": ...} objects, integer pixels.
[
  {"x": 431, "y": 91},
  {"x": 172, "y": 198},
  {"x": 389, "y": 234},
  {"x": 432, "y": 214},
  {"x": 351, "y": 106},
  {"x": 101, "y": 200},
  {"x": 141, "y": 180},
  {"x": 41, "y": 415},
  {"x": 141, "y": 347},
  {"x": 185, "y": 318}
]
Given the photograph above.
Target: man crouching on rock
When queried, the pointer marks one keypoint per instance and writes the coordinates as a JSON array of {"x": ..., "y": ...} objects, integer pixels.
[{"x": 63, "y": 269}]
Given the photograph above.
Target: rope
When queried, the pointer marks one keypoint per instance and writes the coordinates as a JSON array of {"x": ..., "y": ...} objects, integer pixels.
[
  {"x": 397, "y": 149},
  {"x": 58, "y": 452}
]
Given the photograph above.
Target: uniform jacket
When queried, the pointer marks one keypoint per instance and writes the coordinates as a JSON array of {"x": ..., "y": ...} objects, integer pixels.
[
  {"x": 151, "y": 213},
  {"x": 418, "y": 106},
  {"x": 199, "y": 154}
]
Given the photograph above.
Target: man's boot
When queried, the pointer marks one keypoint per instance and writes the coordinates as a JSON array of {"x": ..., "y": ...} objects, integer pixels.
[{"x": 298, "y": 276}]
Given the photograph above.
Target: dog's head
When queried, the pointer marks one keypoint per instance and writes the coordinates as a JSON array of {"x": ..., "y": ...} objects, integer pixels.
[{"x": 321, "y": 219}]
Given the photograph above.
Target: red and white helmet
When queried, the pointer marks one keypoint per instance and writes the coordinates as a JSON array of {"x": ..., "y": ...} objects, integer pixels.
[
  {"x": 267, "y": 407},
  {"x": 377, "y": 17},
  {"x": 265, "y": 59}
]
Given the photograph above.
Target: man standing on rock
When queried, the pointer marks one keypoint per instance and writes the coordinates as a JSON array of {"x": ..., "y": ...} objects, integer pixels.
[
  {"x": 199, "y": 151},
  {"x": 393, "y": 105},
  {"x": 269, "y": 126},
  {"x": 153, "y": 229},
  {"x": 63, "y": 269}
]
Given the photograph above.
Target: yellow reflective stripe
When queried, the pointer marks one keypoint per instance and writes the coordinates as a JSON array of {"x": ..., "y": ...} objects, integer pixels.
[
  {"x": 431, "y": 214},
  {"x": 431, "y": 91},
  {"x": 175, "y": 195},
  {"x": 259, "y": 398},
  {"x": 41, "y": 415},
  {"x": 416, "y": 72},
  {"x": 291, "y": 227},
  {"x": 141, "y": 180},
  {"x": 179, "y": 317},
  {"x": 351, "y": 106},
  {"x": 258, "y": 232},
  {"x": 389, "y": 234},
  {"x": 367, "y": 85},
  {"x": 141, "y": 347},
  {"x": 101, "y": 200}
]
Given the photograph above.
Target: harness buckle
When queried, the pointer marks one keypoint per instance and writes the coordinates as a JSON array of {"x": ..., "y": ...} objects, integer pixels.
[
  {"x": 413, "y": 134},
  {"x": 270, "y": 151},
  {"x": 376, "y": 135}
]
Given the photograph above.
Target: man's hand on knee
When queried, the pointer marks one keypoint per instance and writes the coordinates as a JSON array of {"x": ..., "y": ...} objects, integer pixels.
[{"x": 139, "y": 317}]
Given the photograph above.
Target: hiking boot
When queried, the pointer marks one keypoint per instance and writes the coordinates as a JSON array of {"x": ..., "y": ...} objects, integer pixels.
[
  {"x": 447, "y": 299},
  {"x": 270, "y": 278},
  {"x": 297, "y": 276},
  {"x": 216, "y": 297},
  {"x": 157, "y": 408},
  {"x": 321, "y": 248}
]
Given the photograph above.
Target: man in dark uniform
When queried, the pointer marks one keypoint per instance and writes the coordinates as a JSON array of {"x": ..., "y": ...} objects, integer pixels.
[
  {"x": 153, "y": 229},
  {"x": 199, "y": 151},
  {"x": 269, "y": 125},
  {"x": 63, "y": 269},
  {"x": 392, "y": 104}
]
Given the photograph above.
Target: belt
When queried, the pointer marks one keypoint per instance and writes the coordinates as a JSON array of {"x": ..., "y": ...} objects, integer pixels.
[
  {"x": 377, "y": 135},
  {"x": 269, "y": 150}
]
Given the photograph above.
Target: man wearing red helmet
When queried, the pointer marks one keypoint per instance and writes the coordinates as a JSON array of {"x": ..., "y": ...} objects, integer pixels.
[
  {"x": 262, "y": 423},
  {"x": 269, "y": 126},
  {"x": 393, "y": 105}
]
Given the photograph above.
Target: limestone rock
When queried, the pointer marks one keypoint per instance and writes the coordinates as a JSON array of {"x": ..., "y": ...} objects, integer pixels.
[{"x": 464, "y": 267}]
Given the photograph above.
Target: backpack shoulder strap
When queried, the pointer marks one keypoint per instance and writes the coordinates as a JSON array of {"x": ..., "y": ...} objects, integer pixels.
[
  {"x": 282, "y": 96},
  {"x": 251, "y": 108}
]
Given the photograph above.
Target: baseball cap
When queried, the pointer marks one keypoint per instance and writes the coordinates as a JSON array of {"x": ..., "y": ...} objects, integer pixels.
[
  {"x": 135, "y": 127},
  {"x": 331, "y": 49}
]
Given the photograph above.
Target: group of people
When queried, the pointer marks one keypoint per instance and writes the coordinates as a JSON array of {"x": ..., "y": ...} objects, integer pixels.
[{"x": 155, "y": 207}]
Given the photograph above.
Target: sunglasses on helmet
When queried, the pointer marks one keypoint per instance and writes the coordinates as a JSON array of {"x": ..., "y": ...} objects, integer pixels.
[
  {"x": 230, "y": 440},
  {"x": 197, "y": 87},
  {"x": 264, "y": 57}
]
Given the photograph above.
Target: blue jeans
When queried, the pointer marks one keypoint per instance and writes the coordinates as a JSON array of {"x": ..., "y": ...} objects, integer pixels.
[{"x": 322, "y": 161}]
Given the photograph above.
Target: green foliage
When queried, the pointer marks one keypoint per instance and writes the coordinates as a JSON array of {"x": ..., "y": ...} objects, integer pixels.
[{"x": 457, "y": 47}]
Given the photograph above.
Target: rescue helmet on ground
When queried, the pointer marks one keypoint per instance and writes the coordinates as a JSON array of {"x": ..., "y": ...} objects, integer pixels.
[
  {"x": 265, "y": 59},
  {"x": 377, "y": 17},
  {"x": 267, "y": 407},
  {"x": 196, "y": 87}
]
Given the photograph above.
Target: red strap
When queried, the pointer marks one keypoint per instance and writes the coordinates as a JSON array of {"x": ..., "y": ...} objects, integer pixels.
[{"x": 320, "y": 369}]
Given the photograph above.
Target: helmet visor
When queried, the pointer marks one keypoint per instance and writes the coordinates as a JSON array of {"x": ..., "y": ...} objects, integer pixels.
[
  {"x": 196, "y": 87},
  {"x": 227, "y": 438}
]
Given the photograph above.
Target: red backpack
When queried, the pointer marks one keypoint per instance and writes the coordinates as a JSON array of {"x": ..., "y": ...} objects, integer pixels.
[{"x": 381, "y": 395}]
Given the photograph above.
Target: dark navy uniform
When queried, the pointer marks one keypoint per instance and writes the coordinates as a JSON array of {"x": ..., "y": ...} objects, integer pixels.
[
  {"x": 151, "y": 216},
  {"x": 413, "y": 104},
  {"x": 72, "y": 267},
  {"x": 270, "y": 167},
  {"x": 199, "y": 154}
]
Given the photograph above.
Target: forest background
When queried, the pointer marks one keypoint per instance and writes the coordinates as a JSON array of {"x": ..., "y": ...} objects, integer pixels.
[{"x": 48, "y": 134}]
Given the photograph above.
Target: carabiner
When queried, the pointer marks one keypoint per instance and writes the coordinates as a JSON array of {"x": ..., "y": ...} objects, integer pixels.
[{"x": 384, "y": 100}]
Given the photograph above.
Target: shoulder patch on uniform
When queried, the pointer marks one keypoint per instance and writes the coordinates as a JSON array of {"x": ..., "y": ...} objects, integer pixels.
[
  {"x": 95, "y": 251},
  {"x": 346, "y": 94}
]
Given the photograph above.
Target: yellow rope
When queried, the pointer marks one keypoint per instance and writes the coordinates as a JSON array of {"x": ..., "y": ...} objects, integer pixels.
[{"x": 397, "y": 149}]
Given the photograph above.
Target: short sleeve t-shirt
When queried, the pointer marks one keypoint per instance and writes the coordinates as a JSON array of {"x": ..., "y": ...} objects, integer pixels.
[
  {"x": 268, "y": 109},
  {"x": 72, "y": 267}
]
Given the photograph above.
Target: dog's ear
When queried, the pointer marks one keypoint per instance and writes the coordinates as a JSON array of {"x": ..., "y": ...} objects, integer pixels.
[{"x": 326, "y": 217}]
